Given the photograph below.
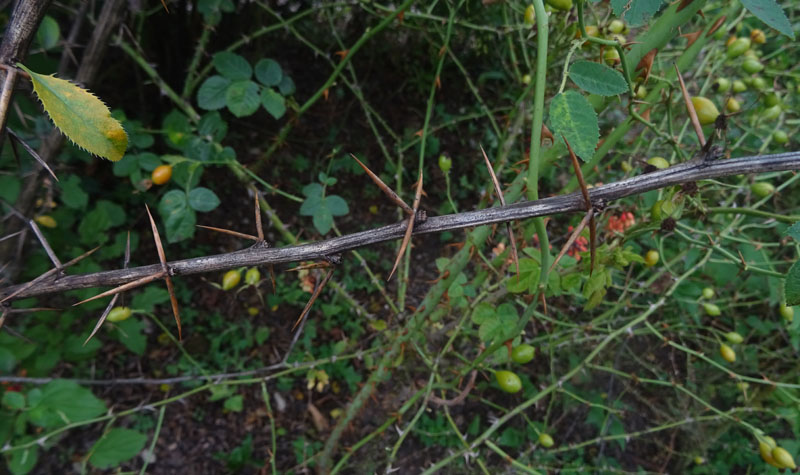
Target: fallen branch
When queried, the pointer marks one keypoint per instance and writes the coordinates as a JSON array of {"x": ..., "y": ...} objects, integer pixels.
[{"x": 258, "y": 255}]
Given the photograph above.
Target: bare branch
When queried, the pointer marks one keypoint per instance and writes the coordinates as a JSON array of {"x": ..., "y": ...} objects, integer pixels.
[{"x": 258, "y": 255}]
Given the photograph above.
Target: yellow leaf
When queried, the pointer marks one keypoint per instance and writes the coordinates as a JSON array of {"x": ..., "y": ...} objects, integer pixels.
[{"x": 81, "y": 116}]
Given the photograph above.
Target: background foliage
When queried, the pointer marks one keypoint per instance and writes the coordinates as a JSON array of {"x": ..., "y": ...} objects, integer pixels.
[{"x": 236, "y": 97}]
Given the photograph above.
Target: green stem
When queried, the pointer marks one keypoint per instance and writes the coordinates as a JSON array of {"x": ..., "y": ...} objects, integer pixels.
[
  {"x": 535, "y": 155},
  {"x": 162, "y": 85}
]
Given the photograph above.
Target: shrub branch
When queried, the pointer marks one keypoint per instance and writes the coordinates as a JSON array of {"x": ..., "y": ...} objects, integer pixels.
[{"x": 258, "y": 255}]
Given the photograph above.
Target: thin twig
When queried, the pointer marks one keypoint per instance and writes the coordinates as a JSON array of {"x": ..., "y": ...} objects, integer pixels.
[
  {"x": 409, "y": 227},
  {"x": 32, "y": 152},
  {"x": 575, "y": 233},
  {"x": 385, "y": 188},
  {"x": 585, "y": 191},
  {"x": 125, "y": 261},
  {"x": 313, "y": 298},
  {"x": 698, "y": 129},
  {"x": 499, "y": 192},
  {"x": 165, "y": 269},
  {"x": 232, "y": 233}
]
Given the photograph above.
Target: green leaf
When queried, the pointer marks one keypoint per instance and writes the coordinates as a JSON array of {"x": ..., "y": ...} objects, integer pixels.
[
  {"x": 72, "y": 193},
  {"x": 232, "y": 66},
  {"x": 130, "y": 334},
  {"x": 203, "y": 199},
  {"x": 179, "y": 218},
  {"x": 269, "y": 72},
  {"x": 770, "y": 13},
  {"x": 150, "y": 297},
  {"x": 636, "y": 12},
  {"x": 322, "y": 219},
  {"x": 500, "y": 326},
  {"x": 22, "y": 461},
  {"x": 336, "y": 205},
  {"x": 211, "y": 95},
  {"x": 115, "y": 447},
  {"x": 791, "y": 287},
  {"x": 242, "y": 98},
  {"x": 273, "y": 102},
  {"x": 63, "y": 402},
  {"x": 81, "y": 116},
  {"x": 597, "y": 78},
  {"x": 572, "y": 116},
  {"x": 794, "y": 231},
  {"x": 234, "y": 403},
  {"x": 286, "y": 87},
  {"x": 13, "y": 400},
  {"x": 48, "y": 33}
]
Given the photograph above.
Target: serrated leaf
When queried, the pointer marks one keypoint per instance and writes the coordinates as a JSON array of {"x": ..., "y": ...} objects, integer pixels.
[
  {"x": 211, "y": 95},
  {"x": 81, "y": 116},
  {"x": 770, "y": 13},
  {"x": 203, "y": 199},
  {"x": 232, "y": 66},
  {"x": 572, "y": 116},
  {"x": 794, "y": 231},
  {"x": 791, "y": 286},
  {"x": 242, "y": 98},
  {"x": 117, "y": 446},
  {"x": 597, "y": 78},
  {"x": 636, "y": 12},
  {"x": 269, "y": 72},
  {"x": 273, "y": 102}
]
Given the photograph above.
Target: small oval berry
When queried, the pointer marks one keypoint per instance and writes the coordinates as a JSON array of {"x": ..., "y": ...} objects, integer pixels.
[
  {"x": 641, "y": 91},
  {"x": 523, "y": 353},
  {"x": 231, "y": 279},
  {"x": 651, "y": 258},
  {"x": 508, "y": 381},
  {"x": 786, "y": 312},
  {"x": 526, "y": 79},
  {"x": 119, "y": 314},
  {"x": 252, "y": 276},
  {"x": 734, "y": 337},
  {"x": 546, "y": 440},
  {"x": 732, "y": 106},
  {"x": 783, "y": 458},
  {"x": 530, "y": 15},
  {"x": 738, "y": 46},
  {"x": 757, "y": 36},
  {"x": 699, "y": 460},
  {"x": 722, "y": 85},
  {"x": 739, "y": 86},
  {"x": 708, "y": 293},
  {"x": 772, "y": 99},
  {"x": 727, "y": 353},
  {"x": 706, "y": 110},
  {"x": 771, "y": 113},
  {"x": 662, "y": 209},
  {"x": 712, "y": 309},
  {"x": 562, "y": 5},
  {"x": 752, "y": 66},
  {"x": 46, "y": 220},
  {"x": 616, "y": 26},
  {"x": 445, "y": 163},
  {"x": 766, "y": 452},
  {"x": 658, "y": 162},
  {"x": 762, "y": 189},
  {"x": 161, "y": 174},
  {"x": 611, "y": 56},
  {"x": 252, "y": 311},
  {"x": 759, "y": 83}
]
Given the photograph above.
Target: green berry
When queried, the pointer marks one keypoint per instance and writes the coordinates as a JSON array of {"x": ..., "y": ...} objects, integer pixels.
[
  {"x": 523, "y": 353},
  {"x": 508, "y": 381}
]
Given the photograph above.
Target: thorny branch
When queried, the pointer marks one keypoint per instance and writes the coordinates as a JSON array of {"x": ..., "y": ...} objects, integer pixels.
[{"x": 259, "y": 255}]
